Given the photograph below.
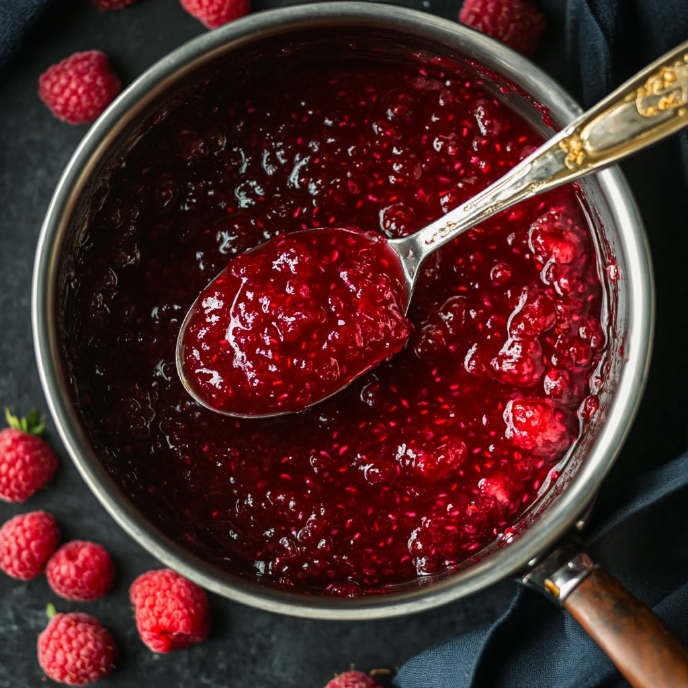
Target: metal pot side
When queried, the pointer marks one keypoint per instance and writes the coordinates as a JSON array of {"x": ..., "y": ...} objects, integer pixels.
[{"x": 622, "y": 248}]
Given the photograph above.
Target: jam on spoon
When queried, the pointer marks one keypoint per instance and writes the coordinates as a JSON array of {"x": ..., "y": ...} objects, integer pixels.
[
  {"x": 293, "y": 321},
  {"x": 277, "y": 332}
]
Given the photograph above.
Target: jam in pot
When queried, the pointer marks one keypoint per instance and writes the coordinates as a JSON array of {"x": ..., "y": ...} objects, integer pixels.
[{"x": 424, "y": 460}]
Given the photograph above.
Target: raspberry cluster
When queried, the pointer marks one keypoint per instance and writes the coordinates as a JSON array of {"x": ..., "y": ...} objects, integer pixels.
[
  {"x": 75, "y": 648},
  {"x": 78, "y": 89}
]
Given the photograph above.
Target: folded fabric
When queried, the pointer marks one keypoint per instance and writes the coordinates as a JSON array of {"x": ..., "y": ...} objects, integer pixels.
[
  {"x": 16, "y": 17},
  {"x": 609, "y": 40},
  {"x": 536, "y": 645}
]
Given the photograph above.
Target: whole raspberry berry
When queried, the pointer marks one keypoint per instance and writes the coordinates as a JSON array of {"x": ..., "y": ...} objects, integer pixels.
[
  {"x": 171, "y": 612},
  {"x": 81, "y": 571},
  {"x": 111, "y": 4},
  {"x": 516, "y": 23},
  {"x": 78, "y": 89},
  {"x": 214, "y": 13},
  {"x": 353, "y": 679},
  {"x": 26, "y": 461},
  {"x": 26, "y": 543},
  {"x": 76, "y": 649}
]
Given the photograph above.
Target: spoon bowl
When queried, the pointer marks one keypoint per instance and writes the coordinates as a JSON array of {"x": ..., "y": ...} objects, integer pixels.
[
  {"x": 636, "y": 115},
  {"x": 222, "y": 362}
]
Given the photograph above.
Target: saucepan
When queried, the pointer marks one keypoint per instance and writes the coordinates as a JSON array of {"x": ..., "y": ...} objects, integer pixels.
[{"x": 533, "y": 552}]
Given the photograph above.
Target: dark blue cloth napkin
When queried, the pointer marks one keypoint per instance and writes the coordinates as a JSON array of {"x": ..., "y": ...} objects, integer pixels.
[
  {"x": 610, "y": 40},
  {"x": 16, "y": 18}
]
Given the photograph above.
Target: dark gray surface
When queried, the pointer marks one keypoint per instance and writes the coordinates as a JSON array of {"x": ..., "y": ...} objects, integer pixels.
[{"x": 246, "y": 647}]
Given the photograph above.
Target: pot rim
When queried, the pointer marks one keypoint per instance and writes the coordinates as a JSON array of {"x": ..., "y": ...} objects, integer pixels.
[{"x": 560, "y": 514}]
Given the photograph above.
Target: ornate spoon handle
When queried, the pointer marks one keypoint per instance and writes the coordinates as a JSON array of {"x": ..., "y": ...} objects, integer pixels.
[{"x": 647, "y": 108}]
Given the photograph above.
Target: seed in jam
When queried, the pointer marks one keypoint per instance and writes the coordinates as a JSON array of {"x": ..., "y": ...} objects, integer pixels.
[
  {"x": 293, "y": 321},
  {"x": 418, "y": 464}
]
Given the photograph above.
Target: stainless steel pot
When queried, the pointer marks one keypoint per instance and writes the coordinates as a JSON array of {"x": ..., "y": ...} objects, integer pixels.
[{"x": 622, "y": 250}]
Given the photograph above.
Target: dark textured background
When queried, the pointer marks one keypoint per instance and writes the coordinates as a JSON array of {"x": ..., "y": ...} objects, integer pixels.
[{"x": 249, "y": 647}]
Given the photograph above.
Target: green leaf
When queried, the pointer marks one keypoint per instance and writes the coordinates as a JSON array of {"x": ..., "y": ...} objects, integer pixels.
[
  {"x": 12, "y": 421},
  {"x": 50, "y": 610},
  {"x": 33, "y": 423}
]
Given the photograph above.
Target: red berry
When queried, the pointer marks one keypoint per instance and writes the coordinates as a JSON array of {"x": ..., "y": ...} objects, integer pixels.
[
  {"x": 111, "y": 4},
  {"x": 76, "y": 649},
  {"x": 26, "y": 543},
  {"x": 436, "y": 461},
  {"x": 26, "y": 461},
  {"x": 571, "y": 352},
  {"x": 557, "y": 384},
  {"x": 78, "y": 89},
  {"x": 214, "y": 13},
  {"x": 539, "y": 425},
  {"x": 516, "y": 23},
  {"x": 171, "y": 612},
  {"x": 81, "y": 571},
  {"x": 501, "y": 490},
  {"x": 534, "y": 315},
  {"x": 555, "y": 237},
  {"x": 353, "y": 679},
  {"x": 518, "y": 362}
]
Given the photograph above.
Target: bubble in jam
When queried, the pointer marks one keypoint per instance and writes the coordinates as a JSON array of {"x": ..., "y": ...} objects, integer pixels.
[
  {"x": 420, "y": 463},
  {"x": 293, "y": 321}
]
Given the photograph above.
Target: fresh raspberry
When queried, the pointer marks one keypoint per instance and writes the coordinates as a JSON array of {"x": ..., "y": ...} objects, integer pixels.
[
  {"x": 111, "y": 4},
  {"x": 76, "y": 649},
  {"x": 79, "y": 88},
  {"x": 81, "y": 571},
  {"x": 516, "y": 23},
  {"x": 214, "y": 13},
  {"x": 353, "y": 679},
  {"x": 26, "y": 461},
  {"x": 171, "y": 612},
  {"x": 26, "y": 543}
]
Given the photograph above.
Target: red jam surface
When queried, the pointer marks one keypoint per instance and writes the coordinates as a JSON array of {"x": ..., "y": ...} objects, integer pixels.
[
  {"x": 293, "y": 321},
  {"x": 416, "y": 465}
]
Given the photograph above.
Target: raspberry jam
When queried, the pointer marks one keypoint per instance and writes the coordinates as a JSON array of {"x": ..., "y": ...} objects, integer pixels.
[
  {"x": 293, "y": 321},
  {"x": 419, "y": 463}
]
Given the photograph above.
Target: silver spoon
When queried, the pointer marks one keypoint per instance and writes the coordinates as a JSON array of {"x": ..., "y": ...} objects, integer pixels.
[{"x": 647, "y": 108}]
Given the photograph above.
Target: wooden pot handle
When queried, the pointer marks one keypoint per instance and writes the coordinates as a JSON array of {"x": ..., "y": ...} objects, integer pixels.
[{"x": 638, "y": 643}]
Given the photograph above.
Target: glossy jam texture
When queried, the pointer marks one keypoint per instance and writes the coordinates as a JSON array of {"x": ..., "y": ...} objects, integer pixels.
[
  {"x": 293, "y": 321},
  {"x": 419, "y": 463}
]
